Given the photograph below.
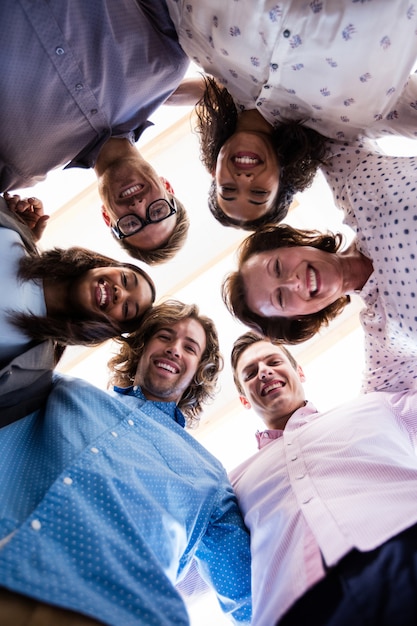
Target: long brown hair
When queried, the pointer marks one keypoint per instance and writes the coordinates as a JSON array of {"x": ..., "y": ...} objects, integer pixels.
[
  {"x": 204, "y": 384},
  {"x": 300, "y": 151},
  {"x": 58, "y": 264},
  {"x": 292, "y": 329}
]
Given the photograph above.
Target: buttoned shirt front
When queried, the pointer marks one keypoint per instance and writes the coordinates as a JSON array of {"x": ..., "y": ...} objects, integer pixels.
[
  {"x": 328, "y": 483},
  {"x": 107, "y": 501},
  {"x": 73, "y": 75},
  {"x": 340, "y": 67}
]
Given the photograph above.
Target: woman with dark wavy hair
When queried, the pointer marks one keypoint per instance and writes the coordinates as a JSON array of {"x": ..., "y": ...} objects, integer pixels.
[
  {"x": 290, "y": 283},
  {"x": 52, "y": 299},
  {"x": 256, "y": 167},
  {"x": 74, "y": 296}
]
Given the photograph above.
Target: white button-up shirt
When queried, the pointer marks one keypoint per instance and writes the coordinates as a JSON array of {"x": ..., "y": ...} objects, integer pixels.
[{"x": 339, "y": 66}]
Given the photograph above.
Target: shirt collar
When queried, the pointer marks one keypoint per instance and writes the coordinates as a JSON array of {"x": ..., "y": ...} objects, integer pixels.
[
  {"x": 298, "y": 418},
  {"x": 169, "y": 408}
]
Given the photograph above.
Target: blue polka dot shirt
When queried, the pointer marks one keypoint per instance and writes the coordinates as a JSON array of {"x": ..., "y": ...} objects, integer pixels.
[{"x": 107, "y": 502}]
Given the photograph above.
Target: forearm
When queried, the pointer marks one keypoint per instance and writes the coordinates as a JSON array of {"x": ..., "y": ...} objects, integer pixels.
[{"x": 188, "y": 93}]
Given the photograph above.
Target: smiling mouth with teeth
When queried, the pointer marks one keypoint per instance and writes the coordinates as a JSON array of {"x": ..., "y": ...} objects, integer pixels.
[
  {"x": 167, "y": 367},
  {"x": 312, "y": 281},
  {"x": 103, "y": 295},
  {"x": 271, "y": 387},
  {"x": 246, "y": 161},
  {"x": 131, "y": 191}
]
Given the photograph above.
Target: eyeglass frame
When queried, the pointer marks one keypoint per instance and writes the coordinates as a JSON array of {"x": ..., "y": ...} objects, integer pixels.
[{"x": 144, "y": 222}]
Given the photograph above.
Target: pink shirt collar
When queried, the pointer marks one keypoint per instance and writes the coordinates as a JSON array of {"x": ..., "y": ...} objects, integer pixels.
[{"x": 298, "y": 418}]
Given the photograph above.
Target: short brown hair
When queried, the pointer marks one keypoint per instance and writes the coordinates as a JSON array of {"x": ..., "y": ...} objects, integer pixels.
[
  {"x": 288, "y": 329},
  {"x": 170, "y": 248},
  {"x": 243, "y": 342},
  {"x": 204, "y": 385}
]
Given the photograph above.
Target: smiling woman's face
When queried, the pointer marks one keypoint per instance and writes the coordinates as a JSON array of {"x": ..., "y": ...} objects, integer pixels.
[
  {"x": 119, "y": 293},
  {"x": 247, "y": 176},
  {"x": 289, "y": 282}
]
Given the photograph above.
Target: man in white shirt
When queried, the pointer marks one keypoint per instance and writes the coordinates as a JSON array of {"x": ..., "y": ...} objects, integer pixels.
[{"x": 329, "y": 499}]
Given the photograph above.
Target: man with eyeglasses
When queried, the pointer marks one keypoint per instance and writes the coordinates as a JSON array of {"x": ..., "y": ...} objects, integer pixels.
[
  {"x": 75, "y": 81},
  {"x": 138, "y": 205}
]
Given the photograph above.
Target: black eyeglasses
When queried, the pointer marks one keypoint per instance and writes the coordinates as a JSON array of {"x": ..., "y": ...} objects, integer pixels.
[{"x": 157, "y": 211}]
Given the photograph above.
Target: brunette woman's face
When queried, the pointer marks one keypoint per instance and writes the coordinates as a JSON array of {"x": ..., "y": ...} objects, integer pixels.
[
  {"x": 119, "y": 293},
  {"x": 288, "y": 282},
  {"x": 247, "y": 176}
]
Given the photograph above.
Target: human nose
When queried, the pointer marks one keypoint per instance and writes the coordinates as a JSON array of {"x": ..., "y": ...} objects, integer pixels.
[
  {"x": 264, "y": 371},
  {"x": 291, "y": 281},
  {"x": 120, "y": 293},
  {"x": 244, "y": 177},
  {"x": 173, "y": 349}
]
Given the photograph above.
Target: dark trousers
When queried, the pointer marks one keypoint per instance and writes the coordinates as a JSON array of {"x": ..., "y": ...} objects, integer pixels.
[
  {"x": 17, "y": 610},
  {"x": 376, "y": 588}
]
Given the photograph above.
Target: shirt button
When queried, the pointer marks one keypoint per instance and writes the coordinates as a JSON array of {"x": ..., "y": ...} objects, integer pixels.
[
  {"x": 93, "y": 111},
  {"x": 79, "y": 87},
  {"x": 274, "y": 66},
  {"x": 94, "y": 450},
  {"x": 300, "y": 476},
  {"x": 259, "y": 104},
  {"x": 36, "y": 525},
  {"x": 114, "y": 434},
  {"x": 286, "y": 33},
  {"x": 294, "y": 458},
  {"x": 267, "y": 87},
  {"x": 130, "y": 422},
  {"x": 59, "y": 51},
  {"x": 68, "y": 480}
]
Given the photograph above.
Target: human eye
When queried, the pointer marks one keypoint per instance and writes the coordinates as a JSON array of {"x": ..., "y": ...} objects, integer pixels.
[
  {"x": 277, "y": 268},
  {"x": 227, "y": 189},
  {"x": 279, "y": 298},
  {"x": 248, "y": 375},
  {"x": 259, "y": 192},
  {"x": 158, "y": 210},
  {"x": 124, "y": 279},
  {"x": 130, "y": 223},
  {"x": 191, "y": 349},
  {"x": 275, "y": 362}
]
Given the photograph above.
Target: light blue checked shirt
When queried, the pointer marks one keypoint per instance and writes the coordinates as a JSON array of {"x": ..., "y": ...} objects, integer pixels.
[{"x": 106, "y": 501}]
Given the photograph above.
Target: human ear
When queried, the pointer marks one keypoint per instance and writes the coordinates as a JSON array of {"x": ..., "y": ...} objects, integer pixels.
[
  {"x": 106, "y": 217},
  {"x": 245, "y": 402},
  {"x": 301, "y": 373},
  {"x": 167, "y": 185}
]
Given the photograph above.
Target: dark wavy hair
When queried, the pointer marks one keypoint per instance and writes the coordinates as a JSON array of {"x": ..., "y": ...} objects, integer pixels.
[
  {"x": 170, "y": 248},
  {"x": 204, "y": 385},
  {"x": 58, "y": 264},
  {"x": 245, "y": 341},
  {"x": 300, "y": 151},
  {"x": 291, "y": 330}
]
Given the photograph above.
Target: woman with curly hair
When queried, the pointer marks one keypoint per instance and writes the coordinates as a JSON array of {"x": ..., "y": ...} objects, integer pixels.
[{"x": 256, "y": 167}]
